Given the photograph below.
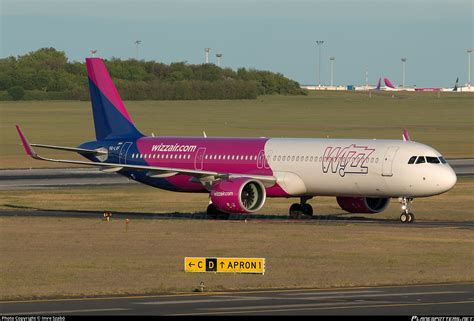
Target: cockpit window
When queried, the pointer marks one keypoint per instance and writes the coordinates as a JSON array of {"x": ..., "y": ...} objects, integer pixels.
[
  {"x": 442, "y": 160},
  {"x": 412, "y": 160},
  {"x": 432, "y": 160},
  {"x": 421, "y": 159}
]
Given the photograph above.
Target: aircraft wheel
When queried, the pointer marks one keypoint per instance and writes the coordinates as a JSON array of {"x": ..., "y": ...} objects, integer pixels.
[
  {"x": 295, "y": 210},
  {"x": 404, "y": 218},
  {"x": 212, "y": 211},
  {"x": 307, "y": 209},
  {"x": 411, "y": 217}
]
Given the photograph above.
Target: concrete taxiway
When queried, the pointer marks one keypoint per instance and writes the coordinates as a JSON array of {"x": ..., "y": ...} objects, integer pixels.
[
  {"x": 39, "y": 178},
  {"x": 411, "y": 300},
  {"x": 248, "y": 218}
]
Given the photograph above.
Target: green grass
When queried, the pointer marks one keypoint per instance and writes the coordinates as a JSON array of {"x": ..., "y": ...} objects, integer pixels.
[
  {"x": 445, "y": 122},
  {"x": 61, "y": 257},
  {"x": 455, "y": 205}
]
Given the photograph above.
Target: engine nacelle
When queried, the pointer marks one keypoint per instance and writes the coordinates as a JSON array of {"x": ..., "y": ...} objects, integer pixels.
[
  {"x": 363, "y": 204},
  {"x": 240, "y": 195}
]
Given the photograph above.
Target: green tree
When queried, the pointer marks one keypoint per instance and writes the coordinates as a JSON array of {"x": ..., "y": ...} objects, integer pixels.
[{"x": 16, "y": 92}]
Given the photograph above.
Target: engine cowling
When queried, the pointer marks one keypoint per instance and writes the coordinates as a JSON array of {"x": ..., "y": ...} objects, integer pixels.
[
  {"x": 363, "y": 204},
  {"x": 240, "y": 195}
]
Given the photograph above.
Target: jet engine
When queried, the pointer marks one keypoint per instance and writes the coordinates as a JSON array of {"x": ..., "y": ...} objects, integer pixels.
[
  {"x": 240, "y": 195},
  {"x": 363, "y": 204}
]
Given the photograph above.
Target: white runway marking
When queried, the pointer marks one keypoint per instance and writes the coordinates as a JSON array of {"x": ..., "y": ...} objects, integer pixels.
[
  {"x": 380, "y": 295},
  {"x": 285, "y": 306},
  {"x": 203, "y": 301},
  {"x": 66, "y": 311},
  {"x": 334, "y": 292}
]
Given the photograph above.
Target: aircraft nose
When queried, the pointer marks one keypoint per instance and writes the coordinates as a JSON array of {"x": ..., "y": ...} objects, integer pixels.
[{"x": 448, "y": 179}]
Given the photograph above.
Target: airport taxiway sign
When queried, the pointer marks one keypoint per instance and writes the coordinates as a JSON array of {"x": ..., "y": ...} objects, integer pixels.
[{"x": 224, "y": 265}]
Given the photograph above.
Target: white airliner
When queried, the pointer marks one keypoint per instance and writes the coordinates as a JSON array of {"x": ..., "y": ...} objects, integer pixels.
[{"x": 239, "y": 173}]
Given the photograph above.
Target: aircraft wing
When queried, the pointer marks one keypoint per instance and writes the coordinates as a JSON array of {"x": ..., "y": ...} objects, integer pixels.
[
  {"x": 152, "y": 171},
  {"x": 72, "y": 149}
]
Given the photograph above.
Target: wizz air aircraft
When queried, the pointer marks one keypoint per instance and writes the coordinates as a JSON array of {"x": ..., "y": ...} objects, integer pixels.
[{"x": 240, "y": 173}]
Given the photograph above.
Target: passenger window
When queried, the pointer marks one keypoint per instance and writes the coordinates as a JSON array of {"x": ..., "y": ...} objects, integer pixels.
[
  {"x": 442, "y": 160},
  {"x": 432, "y": 160},
  {"x": 420, "y": 160},
  {"x": 412, "y": 160}
]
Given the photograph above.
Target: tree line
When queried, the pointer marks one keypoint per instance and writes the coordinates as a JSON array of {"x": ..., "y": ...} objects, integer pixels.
[{"x": 47, "y": 74}]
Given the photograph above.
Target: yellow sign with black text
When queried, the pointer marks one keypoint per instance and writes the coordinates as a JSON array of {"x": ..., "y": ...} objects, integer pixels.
[{"x": 224, "y": 265}]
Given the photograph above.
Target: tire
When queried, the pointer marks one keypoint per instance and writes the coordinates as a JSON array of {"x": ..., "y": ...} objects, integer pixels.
[
  {"x": 404, "y": 218},
  {"x": 212, "y": 211},
  {"x": 307, "y": 209},
  {"x": 411, "y": 217},
  {"x": 296, "y": 210}
]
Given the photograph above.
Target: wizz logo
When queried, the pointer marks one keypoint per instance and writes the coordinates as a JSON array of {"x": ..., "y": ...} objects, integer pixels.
[{"x": 347, "y": 160}]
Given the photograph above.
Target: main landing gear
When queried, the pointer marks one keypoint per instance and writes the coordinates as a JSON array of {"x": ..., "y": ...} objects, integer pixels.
[
  {"x": 301, "y": 209},
  {"x": 214, "y": 213},
  {"x": 407, "y": 216}
]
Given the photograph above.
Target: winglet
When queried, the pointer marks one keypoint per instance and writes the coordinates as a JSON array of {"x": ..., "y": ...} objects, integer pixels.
[
  {"x": 406, "y": 135},
  {"x": 28, "y": 149}
]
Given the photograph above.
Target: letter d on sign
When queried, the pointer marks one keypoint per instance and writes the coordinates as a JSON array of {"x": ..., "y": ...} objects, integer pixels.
[{"x": 211, "y": 265}]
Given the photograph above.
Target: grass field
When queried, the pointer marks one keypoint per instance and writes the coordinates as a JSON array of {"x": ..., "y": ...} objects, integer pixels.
[
  {"x": 445, "y": 122},
  {"x": 455, "y": 205},
  {"x": 59, "y": 257}
]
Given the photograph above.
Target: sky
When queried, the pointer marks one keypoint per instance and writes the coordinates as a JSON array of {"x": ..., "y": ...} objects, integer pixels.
[{"x": 275, "y": 35}]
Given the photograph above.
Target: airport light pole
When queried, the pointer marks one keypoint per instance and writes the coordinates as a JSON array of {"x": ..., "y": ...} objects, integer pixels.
[
  {"x": 218, "y": 56},
  {"x": 207, "y": 51},
  {"x": 137, "y": 43},
  {"x": 319, "y": 43},
  {"x": 366, "y": 78},
  {"x": 404, "y": 60},
  {"x": 332, "y": 59},
  {"x": 469, "y": 52}
]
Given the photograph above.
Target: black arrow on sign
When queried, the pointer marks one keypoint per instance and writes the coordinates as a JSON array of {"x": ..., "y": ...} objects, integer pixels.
[{"x": 191, "y": 264}]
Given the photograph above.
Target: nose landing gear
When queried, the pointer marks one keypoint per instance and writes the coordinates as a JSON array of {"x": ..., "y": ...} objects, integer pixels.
[{"x": 407, "y": 216}]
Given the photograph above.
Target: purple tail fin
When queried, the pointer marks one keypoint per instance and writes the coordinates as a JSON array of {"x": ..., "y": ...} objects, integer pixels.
[
  {"x": 111, "y": 119},
  {"x": 378, "y": 84},
  {"x": 388, "y": 83}
]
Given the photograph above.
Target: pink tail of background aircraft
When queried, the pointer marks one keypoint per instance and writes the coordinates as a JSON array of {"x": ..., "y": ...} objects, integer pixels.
[{"x": 240, "y": 173}]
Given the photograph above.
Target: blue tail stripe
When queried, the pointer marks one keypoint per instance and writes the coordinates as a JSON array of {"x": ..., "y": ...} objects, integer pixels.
[{"x": 108, "y": 121}]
